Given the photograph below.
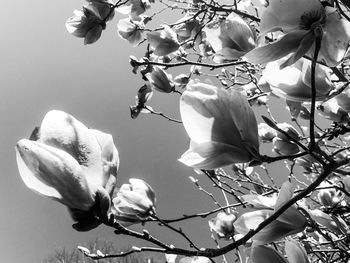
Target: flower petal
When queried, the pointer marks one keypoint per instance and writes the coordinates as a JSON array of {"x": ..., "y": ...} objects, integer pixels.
[
  {"x": 62, "y": 130},
  {"x": 212, "y": 155},
  {"x": 272, "y": 20},
  {"x": 44, "y": 168},
  {"x": 295, "y": 252},
  {"x": 289, "y": 43},
  {"x": 264, "y": 254},
  {"x": 336, "y": 37}
]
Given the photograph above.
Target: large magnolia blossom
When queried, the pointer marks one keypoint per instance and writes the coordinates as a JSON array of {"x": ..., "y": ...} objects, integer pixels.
[
  {"x": 299, "y": 20},
  {"x": 69, "y": 163},
  {"x": 294, "y": 82},
  {"x": 221, "y": 125}
]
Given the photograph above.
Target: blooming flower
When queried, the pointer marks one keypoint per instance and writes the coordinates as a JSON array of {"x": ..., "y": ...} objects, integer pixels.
[
  {"x": 222, "y": 224},
  {"x": 130, "y": 30},
  {"x": 299, "y": 25},
  {"x": 69, "y": 163},
  {"x": 230, "y": 38},
  {"x": 294, "y": 82},
  {"x": 90, "y": 22},
  {"x": 163, "y": 42},
  {"x": 134, "y": 202},
  {"x": 134, "y": 8},
  {"x": 290, "y": 222},
  {"x": 221, "y": 125}
]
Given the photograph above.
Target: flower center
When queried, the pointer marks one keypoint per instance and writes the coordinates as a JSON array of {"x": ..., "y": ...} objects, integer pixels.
[{"x": 312, "y": 19}]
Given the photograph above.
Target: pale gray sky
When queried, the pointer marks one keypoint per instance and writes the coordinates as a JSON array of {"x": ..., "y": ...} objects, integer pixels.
[{"x": 42, "y": 67}]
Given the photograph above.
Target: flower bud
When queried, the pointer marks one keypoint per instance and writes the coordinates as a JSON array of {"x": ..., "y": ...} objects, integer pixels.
[
  {"x": 289, "y": 129},
  {"x": 284, "y": 147},
  {"x": 161, "y": 81},
  {"x": 134, "y": 202}
]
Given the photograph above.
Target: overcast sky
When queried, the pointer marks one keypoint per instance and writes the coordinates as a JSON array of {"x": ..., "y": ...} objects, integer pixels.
[{"x": 42, "y": 67}]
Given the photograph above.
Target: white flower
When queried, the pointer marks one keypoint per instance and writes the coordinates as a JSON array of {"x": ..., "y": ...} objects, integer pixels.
[
  {"x": 221, "y": 125},
  {"x": 163, "y": 42},
  {"x": 134, "y": 202},
  {"x": 298, "y": 19},
  {"x": 69, "y": 163},
  {"x": 230, "y": 38},
  {"x": 294, "y": 82}
]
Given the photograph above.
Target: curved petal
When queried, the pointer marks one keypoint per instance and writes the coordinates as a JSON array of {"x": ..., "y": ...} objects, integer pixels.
[
  {"x": 264, "y": 254},
  {"x": 240, "y": 32},
  {"x": 295, "y": 252},
  {"x": 205, "y": 116},
  {"x": 44, "y": 168},
  {"x": 336, "y": 37},
  {"x": 288, "y": 44},
  {"x": 212, "y": 155},
  {"x": 62, "y": 130},
  {"x": 211, "y": 114},
  {"x": 109, "y": 155},
  {"x": 140, "y": 186},
  {"x": 272, "y": 20}
]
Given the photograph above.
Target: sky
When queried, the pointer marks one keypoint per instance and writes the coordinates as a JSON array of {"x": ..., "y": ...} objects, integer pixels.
[{"x": 43, "y": 68}]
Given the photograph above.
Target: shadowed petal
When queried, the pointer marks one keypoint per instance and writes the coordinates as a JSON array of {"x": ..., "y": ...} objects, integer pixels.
[{"x": 44, "y": 168}]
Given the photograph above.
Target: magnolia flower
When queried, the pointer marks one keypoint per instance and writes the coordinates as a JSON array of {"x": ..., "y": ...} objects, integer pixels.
[
  {"x": 90, "y": 22},
  {"x": 163, "y": 42},
  {"x": 294, "y": 82},
  {"x": 222, "y": 225},
  {"x": 188, "y": 29},
  {"x": 300, "y": 24},
  {"x": 221, "y": 125},
  {"x": 230, "y": 38},
  {"x": 134, "y": 8},
  {"x": 130, "y": 30},
  {"x": 69, "y": 163},
  {"x": 161, "y": 81},
  {"x": 290, "y": 222},
  {"x": 134, "y": 202}
]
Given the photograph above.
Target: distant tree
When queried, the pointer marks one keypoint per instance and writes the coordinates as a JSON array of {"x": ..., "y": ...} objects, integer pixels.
[{"x": 73, "y": 255}]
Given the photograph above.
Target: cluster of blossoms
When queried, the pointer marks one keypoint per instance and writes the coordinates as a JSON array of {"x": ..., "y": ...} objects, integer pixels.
[
  {"x": 293, "y": 55},
  {"x": 77, "y": 166}
]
